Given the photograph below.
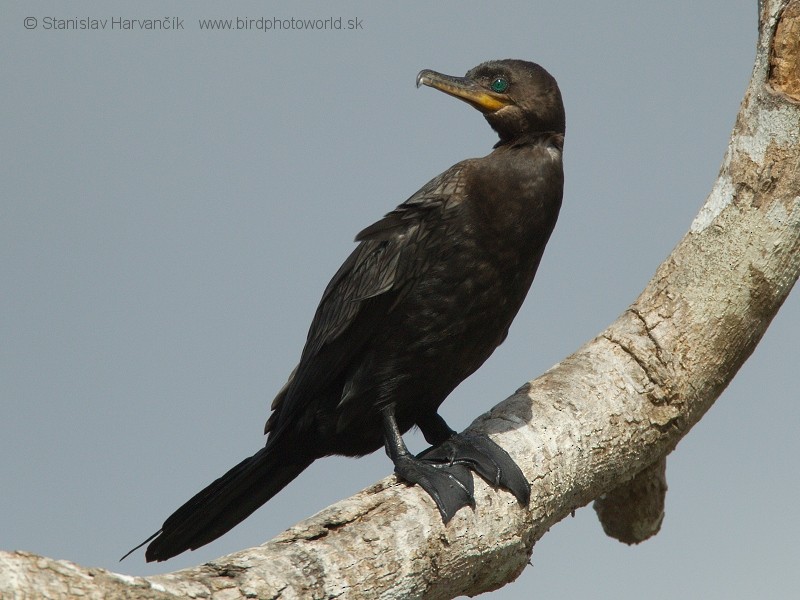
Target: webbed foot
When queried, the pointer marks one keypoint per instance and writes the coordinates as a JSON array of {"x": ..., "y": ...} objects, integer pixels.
[
  {"x": 444, "y": 471},
  {"x": 481, "y": 454},
  {"x": 450, "y": 486}
]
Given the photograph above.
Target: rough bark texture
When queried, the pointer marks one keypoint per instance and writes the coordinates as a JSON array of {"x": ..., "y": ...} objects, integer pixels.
[
  {"x": 633, "y": 512},
  {"x": 581, "y": 431}
]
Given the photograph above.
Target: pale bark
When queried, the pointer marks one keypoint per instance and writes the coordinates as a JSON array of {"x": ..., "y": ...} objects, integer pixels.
[{"x": 596, "y": 426}]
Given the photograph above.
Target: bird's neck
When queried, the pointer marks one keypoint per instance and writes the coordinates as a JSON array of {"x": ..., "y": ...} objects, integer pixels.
[{"x": 534, "y": 138}]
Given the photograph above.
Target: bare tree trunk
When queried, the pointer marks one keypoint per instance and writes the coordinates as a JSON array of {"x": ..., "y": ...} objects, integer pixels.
[{"x": 598, "y": 425}]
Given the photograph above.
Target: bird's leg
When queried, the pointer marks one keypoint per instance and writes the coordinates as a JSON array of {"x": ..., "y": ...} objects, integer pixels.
[
  {"x": 477, "y": 452},
  {"x": 449, "y": 487},
  {"x": 435, "y": 429}
]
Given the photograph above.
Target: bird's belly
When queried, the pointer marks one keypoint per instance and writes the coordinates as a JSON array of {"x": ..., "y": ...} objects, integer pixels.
[
  {"x": 441, "y": 333},
  {"x": 448, "y": 325},
  {"x": 455, "y": 321}
]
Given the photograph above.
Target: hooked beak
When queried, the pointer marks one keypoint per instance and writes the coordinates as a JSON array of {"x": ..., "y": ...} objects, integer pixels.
[{"x": 464, "y": 89}]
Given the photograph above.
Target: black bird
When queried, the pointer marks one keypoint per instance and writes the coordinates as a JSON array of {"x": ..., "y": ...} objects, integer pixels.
[{"x": 424, "y": 299}]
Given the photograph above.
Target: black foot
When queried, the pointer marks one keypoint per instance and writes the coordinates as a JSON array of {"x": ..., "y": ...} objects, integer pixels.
[
  {"x": 482, "y": 455},
  {"x": 450, "y": 486}
]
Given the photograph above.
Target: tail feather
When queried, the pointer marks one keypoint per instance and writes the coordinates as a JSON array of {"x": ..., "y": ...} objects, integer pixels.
[{"x": 224, "y": 503}]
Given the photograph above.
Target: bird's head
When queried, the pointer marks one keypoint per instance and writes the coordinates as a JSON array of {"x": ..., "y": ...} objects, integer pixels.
[{"x": 516, "y": 97}]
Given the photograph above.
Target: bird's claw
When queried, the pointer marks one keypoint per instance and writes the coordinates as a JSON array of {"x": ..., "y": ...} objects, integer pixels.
[
  {"x": 481, "y": 454},
  {"x": 450, "y": 486}
]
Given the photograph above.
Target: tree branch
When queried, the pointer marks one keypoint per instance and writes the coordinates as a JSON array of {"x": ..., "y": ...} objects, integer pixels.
[{"x": 581, "y": 431}]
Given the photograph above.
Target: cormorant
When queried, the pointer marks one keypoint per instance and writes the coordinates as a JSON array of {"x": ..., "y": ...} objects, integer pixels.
[{"x": 424, "y": 299}]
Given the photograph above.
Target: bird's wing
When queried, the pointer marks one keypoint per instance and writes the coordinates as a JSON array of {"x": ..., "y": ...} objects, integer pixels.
[{"x": 390, "y": 256}]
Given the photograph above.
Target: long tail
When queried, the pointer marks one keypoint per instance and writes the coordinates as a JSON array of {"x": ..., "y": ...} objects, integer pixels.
[{"x": 224, "y": 504}]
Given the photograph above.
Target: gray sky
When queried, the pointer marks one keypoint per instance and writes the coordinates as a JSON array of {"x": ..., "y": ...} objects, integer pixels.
[{"x": 174, "y": 202}]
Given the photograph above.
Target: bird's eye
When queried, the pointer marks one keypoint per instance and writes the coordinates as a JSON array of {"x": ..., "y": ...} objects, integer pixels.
[{"x": 499, "y": 85}]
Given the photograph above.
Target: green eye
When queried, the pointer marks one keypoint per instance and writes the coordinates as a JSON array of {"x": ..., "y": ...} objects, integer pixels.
[{"x": 499, "y": 85}]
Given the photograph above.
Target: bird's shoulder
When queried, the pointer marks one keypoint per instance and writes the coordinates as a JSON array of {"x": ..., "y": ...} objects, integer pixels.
[
  {"x": 431, "y": 201},
  {"x": 389, "y": 247}
]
